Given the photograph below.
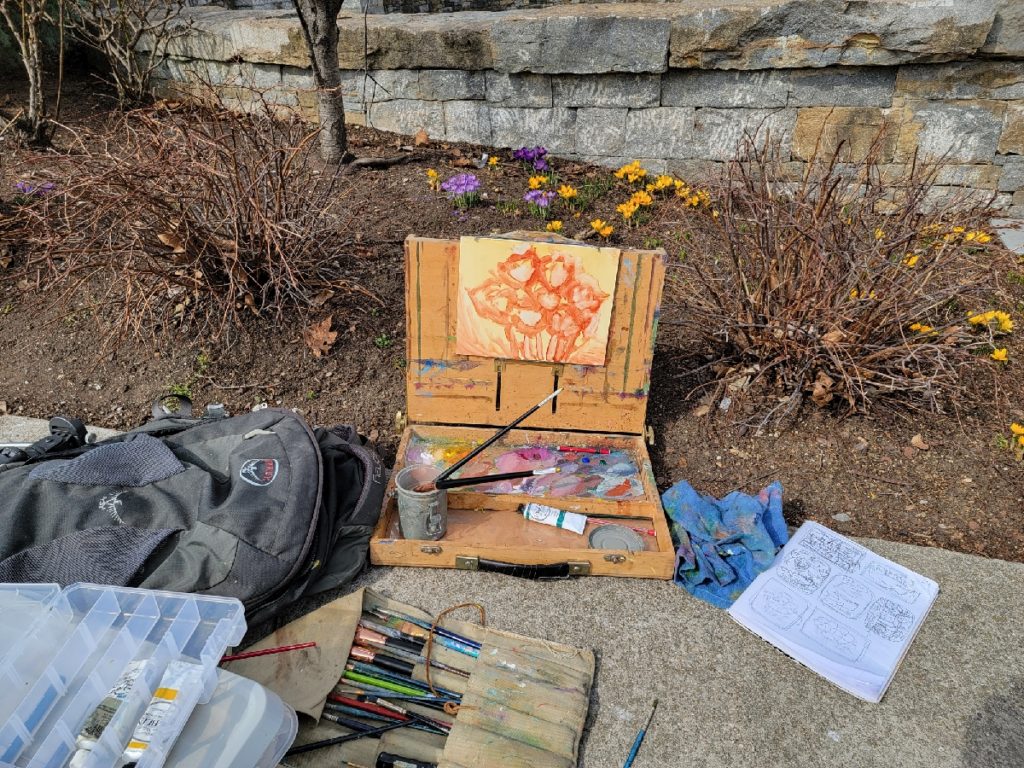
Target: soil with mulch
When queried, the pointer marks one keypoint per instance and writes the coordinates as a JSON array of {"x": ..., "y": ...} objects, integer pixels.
[{"x": 959, "y": 489}]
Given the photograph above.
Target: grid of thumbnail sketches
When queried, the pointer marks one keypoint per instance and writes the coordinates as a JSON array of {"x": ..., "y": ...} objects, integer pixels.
[{"x": 838, "y": 608}]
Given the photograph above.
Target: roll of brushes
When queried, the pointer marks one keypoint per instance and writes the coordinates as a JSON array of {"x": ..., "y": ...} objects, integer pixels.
[{"x": 426, "y": 625}]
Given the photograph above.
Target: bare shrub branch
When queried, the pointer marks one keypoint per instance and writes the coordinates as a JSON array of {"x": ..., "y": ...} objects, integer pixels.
[
  {"x": 115, "y": 28},
  {"x": 848, "y": 286},
  {"x": 196, "y": 219}
]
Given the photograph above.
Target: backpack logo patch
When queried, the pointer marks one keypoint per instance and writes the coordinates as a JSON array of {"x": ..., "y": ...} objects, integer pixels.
[{"x": 259, "y": 472}]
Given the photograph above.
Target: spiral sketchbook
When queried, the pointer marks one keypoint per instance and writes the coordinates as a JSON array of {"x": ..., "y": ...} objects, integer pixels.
[{"x": 838, "y": 608}]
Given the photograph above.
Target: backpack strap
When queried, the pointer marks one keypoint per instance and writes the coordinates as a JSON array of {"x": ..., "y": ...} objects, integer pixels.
[
  {"x": 65, "y": 434},
  {"x": 182, "y": 410}
]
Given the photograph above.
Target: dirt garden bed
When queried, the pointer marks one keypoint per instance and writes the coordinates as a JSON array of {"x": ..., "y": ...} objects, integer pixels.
[{"x": 955, "y": 486}]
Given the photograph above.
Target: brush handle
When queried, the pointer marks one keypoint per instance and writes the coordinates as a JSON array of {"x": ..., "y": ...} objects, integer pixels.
[
  {"x": 636, "y": 748},
  {"x": 456, "y": 482},
  {"x": 492, "y": 440}
]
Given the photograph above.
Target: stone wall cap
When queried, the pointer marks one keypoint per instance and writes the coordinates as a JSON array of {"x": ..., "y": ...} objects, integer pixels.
[{"x": 614, "y": 37}]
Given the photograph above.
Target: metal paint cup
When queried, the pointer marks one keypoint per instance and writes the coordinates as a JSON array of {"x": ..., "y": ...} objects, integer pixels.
[{"x": 422, "y": 515}]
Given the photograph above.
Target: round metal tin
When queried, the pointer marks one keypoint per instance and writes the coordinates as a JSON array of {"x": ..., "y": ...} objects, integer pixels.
[{"x": 616, "y": 537}]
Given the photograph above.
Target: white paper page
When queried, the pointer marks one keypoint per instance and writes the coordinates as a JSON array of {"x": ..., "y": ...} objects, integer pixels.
[{"x": 838, "y": 608}]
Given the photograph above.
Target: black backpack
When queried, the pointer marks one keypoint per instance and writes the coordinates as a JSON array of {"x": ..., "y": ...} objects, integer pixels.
[{"x": 256, "y": 506}]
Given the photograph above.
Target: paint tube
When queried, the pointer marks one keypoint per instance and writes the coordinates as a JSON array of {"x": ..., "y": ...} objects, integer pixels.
[
  {"x": 559, "y": 518},
  {"x": 100, "y": 717},
  {"x": 164, "y": 706}
]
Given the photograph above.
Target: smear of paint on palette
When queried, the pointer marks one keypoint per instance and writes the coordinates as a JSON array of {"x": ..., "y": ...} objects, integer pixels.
[{"x": 614, "y": 476}]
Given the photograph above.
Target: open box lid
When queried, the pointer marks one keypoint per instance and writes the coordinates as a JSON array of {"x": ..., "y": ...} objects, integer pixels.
[{"x": 444, "y": 387}]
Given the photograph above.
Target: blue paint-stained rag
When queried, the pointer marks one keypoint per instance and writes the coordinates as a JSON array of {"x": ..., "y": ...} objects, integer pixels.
[{"x": 723, "y": 543}]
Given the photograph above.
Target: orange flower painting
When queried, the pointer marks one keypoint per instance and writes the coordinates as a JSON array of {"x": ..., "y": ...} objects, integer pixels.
[{"x": 547, "y": 302}]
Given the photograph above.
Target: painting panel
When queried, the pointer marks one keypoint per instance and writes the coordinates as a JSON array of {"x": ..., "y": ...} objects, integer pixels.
[{"x": 546, "y": 302}]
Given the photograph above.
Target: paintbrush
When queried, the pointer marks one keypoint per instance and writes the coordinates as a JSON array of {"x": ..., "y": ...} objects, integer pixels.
[
  {"x": 423, "y": 624},
  {"x": 454, "y": 482},
  {"x": 452, "y": 645},
  {"x": 640, "y": 738},
  {"x": 359, "y": 734},
  {"x": 385, "y": 709},
  {"x": 493, "y": 439},
  {"x": 409, "y": 656}
]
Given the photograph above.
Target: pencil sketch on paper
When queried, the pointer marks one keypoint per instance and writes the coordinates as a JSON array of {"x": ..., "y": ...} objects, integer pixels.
[
  {"x": 832, "y": 635},
  {"x": 893, "y": 580},
  {"x": 547, "y": 302},
  {"x": 889, "y": 620},
  {"x": 845, "y": 554},
  {"x": 846, "y": 596},
  {"x": 804, "y": 571},
  {"x": 779, "y": 605}
]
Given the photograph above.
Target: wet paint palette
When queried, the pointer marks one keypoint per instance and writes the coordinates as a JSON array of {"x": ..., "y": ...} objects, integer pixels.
[
  {"x": 615, "y": 475},
  {"x": 456, "y": 401}
]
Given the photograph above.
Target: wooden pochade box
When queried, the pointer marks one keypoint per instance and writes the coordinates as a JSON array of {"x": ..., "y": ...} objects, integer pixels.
[{"x": 455, "y": 401}]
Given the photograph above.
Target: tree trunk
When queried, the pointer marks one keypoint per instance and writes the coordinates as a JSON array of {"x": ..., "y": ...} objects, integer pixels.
[
  {"x": 34, "y": 68},
  {"x": 24, "y": 24},
  {"x": 319, "y": 19}
]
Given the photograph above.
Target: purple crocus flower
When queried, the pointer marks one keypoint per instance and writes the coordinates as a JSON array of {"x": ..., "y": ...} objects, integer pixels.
[
  {"x": 27, "y": 188},
  {"x": 539, "y": 197},
  {"x": 534, "y": 155},
  {"x": 461, "y": 185}
]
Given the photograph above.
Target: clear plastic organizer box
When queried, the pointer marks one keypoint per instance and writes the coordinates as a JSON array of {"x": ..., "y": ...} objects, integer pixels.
[{"x": 61, "y": 651}]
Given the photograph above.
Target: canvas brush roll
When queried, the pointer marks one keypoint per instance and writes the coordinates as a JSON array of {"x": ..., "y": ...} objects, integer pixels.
[{"x": 256, "y": 506}]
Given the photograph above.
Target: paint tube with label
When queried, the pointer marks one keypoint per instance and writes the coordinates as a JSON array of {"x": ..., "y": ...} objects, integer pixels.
[
  {"x": 100, "y": 718},
  {"x": 559, "y": 518},
  {"x": 180, "y": 681}
]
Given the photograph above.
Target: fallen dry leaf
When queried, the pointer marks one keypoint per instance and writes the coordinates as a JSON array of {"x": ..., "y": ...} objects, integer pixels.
[
  {"x": 702, "y": 410},
  {"x": 833, "y": 337},
  {"x": 464, "y": 162},
  {"x": 821, "y": 394},
  {"x": 172, "y": 241},
  {"x": 909, "y": 452},
  {"x": 682, "y": 462},
  {"x": 421, "y": 139},
  {"x": 918, "y": 442},
  {"x": 319, "y": 337},
  {"x": 322, "y": 298}
]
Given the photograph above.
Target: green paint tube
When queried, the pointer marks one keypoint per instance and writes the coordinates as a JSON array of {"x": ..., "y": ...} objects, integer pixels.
[{"x": 100, "y": 717}]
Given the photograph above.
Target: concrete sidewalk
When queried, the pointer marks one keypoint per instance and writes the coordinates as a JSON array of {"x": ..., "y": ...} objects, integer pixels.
[{"x": 728, "y": 699}]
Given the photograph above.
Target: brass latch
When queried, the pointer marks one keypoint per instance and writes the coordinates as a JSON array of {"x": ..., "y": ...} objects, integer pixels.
[
  {"x": 463, "y": 563},
  {"x": 617, "y": 559}
]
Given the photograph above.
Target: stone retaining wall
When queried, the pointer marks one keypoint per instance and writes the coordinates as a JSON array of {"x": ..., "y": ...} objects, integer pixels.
[{"x": 675, "y": 85}]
